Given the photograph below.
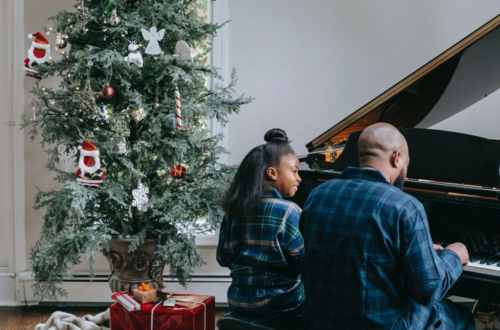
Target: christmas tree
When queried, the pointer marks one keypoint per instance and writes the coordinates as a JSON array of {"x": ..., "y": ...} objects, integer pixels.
[{"x": 133, "y": 104}]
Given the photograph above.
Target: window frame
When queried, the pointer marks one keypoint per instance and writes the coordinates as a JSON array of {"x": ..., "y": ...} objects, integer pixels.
[{"x": 216, "y": 13}]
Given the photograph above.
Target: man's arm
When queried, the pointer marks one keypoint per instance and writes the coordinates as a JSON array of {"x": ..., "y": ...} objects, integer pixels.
[{"x": 427, "y": 275}]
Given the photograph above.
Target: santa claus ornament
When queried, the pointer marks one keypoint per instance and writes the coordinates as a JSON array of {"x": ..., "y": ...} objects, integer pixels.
[
  {"x": 90, "y": 172},
  {"x": 38, "y": 53}
]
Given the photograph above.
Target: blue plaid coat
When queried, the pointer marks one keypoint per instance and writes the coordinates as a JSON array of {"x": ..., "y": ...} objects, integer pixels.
[
  {"x": 370, "y": 259},
  {"x": 265, "y": 254}
]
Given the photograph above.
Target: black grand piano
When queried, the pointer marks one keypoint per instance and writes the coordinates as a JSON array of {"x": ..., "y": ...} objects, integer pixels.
[{"x": 455, "y": 176}]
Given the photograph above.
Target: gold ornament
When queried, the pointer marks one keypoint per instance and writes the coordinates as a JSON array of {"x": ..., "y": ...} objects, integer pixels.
[
  {"x": 114, "y": 20},
  {"x": 87, "y": 97},
  {"x": 138, "y": 114}
]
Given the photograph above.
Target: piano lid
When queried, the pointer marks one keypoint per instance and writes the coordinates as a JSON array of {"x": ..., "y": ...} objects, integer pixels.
[
  {"x": 441, "y": 156},
  {"x": 411, "y": 100}
]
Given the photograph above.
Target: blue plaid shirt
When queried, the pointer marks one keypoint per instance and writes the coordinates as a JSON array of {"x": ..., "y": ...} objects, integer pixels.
[
  {"x": 370, "y": 255},
  {"x": 265, "y": 254}
]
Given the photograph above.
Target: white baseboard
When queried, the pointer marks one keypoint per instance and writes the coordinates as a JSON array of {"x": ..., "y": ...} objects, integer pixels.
[
  {"x": 82, "y": 289},
  {"x": 8, "y": 289}
]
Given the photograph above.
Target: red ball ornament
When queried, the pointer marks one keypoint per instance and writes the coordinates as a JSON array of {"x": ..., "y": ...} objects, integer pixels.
[{"x": 108, "y": 92}]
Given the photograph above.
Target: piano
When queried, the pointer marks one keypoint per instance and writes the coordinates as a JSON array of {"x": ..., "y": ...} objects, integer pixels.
[{"x": 455, "y": 176}]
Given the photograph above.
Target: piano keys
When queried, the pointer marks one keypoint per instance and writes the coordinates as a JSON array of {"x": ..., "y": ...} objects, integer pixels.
[{"x": 455, "y": 176}]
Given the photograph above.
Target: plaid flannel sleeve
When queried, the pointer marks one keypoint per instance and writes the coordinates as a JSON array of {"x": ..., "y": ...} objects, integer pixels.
[
  {"x": 291, "y": 241},
  {"x": 427, "y": 275}
]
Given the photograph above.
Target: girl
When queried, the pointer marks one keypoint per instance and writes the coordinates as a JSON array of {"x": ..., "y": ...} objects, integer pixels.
[{"x": 259, "y": 238}]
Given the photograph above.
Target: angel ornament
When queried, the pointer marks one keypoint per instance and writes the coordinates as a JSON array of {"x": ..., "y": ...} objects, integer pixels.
[{"x": 153, "y": 37}]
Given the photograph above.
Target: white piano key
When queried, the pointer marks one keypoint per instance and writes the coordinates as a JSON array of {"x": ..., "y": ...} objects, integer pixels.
[{"x": 479, "y": 268}]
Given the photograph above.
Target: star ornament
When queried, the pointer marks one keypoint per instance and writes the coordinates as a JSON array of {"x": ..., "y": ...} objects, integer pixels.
[{"x": 87, "y": 98}]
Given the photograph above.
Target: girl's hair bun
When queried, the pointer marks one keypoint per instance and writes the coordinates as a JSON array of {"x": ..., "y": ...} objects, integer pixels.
[{"x": 276, "y": 135}]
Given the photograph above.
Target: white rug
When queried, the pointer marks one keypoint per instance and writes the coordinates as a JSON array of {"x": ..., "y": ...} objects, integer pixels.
[{"x": 66, "y": 321}]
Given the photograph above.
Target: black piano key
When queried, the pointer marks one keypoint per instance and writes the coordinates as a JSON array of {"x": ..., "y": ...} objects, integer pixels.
[
  {"x": 492, "y": 260},
  {"x": 478, "y": 256}
]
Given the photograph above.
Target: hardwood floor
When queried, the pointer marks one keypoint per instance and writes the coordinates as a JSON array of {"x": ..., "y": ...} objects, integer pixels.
[{"x": 26, "y": 318}]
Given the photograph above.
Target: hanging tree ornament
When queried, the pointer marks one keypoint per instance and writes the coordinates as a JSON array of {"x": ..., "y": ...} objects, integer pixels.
[
  {"x": 178, "y": 171},
  {"x": 108, "y": 92},
  {"x": 177, "y": 96},
  {"x": 114, "y": 20},
  {"x": 153, "y": 37},
  {"x": 140, "y": 195},
  {"x": 134, "y": 55},
  {"x": 66, "y": 157},
  {"x": 121, "y": 147},
  {"x": 38, "y": 53},
  {"x": 109, "y": 5},
  {"x": 183, "y": 51},
  {"x": 87, "y": 97},
  {"x": 138, "y": 114},
  {"x": 82, "y": 13},
  {"x": 90, "y": 172},
  {"x": 61, "y": 41}
]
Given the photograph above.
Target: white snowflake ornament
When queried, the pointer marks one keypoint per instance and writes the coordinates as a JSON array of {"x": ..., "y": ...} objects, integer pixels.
[{"x": 140, "y": 195}]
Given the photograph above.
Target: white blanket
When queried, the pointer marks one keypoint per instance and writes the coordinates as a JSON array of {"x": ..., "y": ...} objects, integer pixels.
[{"x": 66, "y": 321}]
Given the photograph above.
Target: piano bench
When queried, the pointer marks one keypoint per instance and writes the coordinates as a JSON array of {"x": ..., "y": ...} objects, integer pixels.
[{"x": 235, "y": 321}]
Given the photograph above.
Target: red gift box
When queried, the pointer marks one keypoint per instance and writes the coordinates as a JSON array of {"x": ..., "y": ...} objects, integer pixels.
[
  {"x": 178, "y": 171},
  {"x": 189, "y": 313}
]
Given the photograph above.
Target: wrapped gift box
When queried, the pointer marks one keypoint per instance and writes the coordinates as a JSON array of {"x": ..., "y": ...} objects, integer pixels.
[
  {"x": 191, "y": 312},
  {"x": 144, "y": 294},
  {"x": 178, "y": 171}
]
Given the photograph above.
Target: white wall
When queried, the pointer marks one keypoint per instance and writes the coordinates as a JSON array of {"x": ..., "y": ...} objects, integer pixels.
[
  {"x": 309, "y": 64},
  {"x": 12, "y": 151}
]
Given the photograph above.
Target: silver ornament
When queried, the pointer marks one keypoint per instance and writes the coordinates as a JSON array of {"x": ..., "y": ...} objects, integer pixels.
[{"x": 61, "y": 41}]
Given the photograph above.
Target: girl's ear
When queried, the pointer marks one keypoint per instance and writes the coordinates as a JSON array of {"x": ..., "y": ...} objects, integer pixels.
[{"x": 272, "y": 173}]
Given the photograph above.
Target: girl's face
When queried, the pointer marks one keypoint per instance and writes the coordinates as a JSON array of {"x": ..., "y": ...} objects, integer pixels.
[{"x": 285, "y": 178}]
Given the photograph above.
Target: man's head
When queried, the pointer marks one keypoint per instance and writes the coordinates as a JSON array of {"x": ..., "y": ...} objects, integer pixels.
[{"x": 382, "y": 147}]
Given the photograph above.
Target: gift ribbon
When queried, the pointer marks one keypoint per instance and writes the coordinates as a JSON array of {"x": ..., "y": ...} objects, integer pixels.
[
  {"x": 145, "y": 288},
  {"x": 152, "y": 311},
  {"x": 188, "y": 301},
  {"x": 125, "y": 295}
]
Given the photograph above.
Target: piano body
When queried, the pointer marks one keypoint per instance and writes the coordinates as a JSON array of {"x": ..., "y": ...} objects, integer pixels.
[{"x": 455, "y": 176}]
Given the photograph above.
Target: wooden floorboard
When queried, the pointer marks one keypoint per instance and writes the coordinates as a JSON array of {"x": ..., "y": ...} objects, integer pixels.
[
  {"x": 11, "y": 318},
  {"x": 26, "y": 318}
]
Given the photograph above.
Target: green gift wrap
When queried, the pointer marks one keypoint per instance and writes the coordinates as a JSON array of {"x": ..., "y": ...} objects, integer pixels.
[{"x": 109, "y": 6}]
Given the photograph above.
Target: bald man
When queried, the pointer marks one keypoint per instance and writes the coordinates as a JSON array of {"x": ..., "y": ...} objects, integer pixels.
[{"x": 370, "y": 259}]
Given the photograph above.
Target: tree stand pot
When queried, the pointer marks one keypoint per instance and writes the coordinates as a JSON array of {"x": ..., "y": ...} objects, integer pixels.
[{"x": 129, "y": 270}]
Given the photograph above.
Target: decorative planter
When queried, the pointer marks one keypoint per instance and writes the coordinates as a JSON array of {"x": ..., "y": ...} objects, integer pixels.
[{"x": 129, "y": 270}]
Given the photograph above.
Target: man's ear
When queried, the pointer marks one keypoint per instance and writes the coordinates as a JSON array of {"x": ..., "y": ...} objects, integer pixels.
[
  {"x": 395, "y": 159},
  {"x": 272, "y": 174}
]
